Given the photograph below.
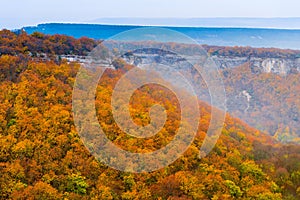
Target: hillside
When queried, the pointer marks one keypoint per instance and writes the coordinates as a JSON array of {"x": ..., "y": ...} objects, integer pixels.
[{"x": 262, "y": 85}]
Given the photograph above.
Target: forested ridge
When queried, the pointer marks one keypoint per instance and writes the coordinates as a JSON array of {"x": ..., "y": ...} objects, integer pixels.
[
  {"x": 37, "y": 43},
  {"x": 44, "y": 46},
  {"x": 43, "y": 157}
]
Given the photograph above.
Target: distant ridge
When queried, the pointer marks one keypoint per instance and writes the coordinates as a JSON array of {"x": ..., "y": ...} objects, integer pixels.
[{"x": 275, "y": 23}]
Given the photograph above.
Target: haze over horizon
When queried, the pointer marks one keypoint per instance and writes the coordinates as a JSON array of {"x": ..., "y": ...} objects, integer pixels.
[{"x": 16, "y": 15}]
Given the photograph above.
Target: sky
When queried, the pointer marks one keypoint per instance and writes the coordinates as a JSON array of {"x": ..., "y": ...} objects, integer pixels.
[{"x": 18, "y": 13}]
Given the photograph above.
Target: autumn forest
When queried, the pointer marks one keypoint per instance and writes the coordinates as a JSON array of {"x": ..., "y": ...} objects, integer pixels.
[{"x": 43, "y": 157}]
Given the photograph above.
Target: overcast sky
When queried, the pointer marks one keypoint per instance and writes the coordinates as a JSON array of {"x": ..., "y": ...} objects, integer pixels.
[{"x": 18, "y": 13}]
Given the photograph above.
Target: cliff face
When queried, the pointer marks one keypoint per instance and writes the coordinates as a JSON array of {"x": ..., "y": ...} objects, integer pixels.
[
  {"x": 278, "y": 66},
  {"x": 267, "y": 64}
]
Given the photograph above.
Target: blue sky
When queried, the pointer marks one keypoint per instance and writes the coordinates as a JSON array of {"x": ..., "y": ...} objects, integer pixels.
[{"x": 18, "y": 13}]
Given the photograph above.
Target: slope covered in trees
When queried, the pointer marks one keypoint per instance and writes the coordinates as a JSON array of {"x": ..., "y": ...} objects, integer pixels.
[
  {"x": 42, "y": 156},
  {"x": 273, "y": 106}
]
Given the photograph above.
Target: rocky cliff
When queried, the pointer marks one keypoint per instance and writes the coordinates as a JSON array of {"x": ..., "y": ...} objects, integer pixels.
[{"x": 280, "y": 66}]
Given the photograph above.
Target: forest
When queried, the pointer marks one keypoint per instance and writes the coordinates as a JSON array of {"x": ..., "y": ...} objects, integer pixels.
[{"x": 43, "y": 157}]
